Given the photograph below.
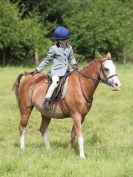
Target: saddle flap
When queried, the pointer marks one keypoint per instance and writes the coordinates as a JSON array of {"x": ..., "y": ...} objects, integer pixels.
[{"x": 60, "y": 91}]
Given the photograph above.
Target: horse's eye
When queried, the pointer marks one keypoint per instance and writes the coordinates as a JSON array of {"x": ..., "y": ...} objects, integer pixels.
[{"x": 106, "y": 69}]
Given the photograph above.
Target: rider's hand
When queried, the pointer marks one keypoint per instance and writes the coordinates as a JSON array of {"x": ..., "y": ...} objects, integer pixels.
[
  {"x": 34, "y": 72},
  {"x": 75, "y": 67}
]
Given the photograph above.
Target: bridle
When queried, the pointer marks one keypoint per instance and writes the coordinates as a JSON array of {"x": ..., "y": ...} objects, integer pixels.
[{"x": 105, "y": 80}]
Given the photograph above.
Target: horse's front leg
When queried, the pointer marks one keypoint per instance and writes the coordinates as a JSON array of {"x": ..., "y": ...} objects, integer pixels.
[
  {"x": 72, "y": 138},
  {"x": 74, "y": 135},
  {"x": 77, "y": 118}
]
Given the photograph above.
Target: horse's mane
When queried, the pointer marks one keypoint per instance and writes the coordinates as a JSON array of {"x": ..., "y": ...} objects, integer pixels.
[{"x": 92, "y": 62}]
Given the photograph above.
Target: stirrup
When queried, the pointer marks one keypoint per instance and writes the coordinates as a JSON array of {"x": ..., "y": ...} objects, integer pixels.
[{"x": 47, "y": 103}]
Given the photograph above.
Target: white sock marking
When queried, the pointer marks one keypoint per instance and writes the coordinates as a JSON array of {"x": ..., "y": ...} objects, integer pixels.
[
  {"x": 81, "y": 147},
  {"x": 46, "y": 140},
  {"x": 22, "y": 144}
]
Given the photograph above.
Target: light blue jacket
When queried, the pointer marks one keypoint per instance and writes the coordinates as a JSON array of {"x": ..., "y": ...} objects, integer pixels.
[{"x": 60, "y": 58}]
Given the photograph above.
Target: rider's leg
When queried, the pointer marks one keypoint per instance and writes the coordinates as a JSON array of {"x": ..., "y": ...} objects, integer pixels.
[{"x": 55, "y": 81}]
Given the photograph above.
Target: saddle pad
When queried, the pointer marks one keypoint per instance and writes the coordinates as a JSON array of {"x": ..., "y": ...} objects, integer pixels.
[{"x": 60, "y": 91}]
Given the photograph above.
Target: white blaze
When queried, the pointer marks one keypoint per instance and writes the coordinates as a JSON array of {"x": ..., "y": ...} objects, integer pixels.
[{"x": 114, "y": 81}]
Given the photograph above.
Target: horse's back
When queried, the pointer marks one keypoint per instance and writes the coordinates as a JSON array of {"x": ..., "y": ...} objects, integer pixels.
[{"x": 33, "y": 87}]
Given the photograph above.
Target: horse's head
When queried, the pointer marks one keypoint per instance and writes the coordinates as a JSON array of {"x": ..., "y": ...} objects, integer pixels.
[{"x": 108, "y": 73}]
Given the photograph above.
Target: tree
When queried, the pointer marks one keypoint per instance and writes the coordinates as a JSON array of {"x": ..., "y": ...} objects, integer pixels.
[
  {"x": 8, "y": 27},
  {"x": 99, "y": 26},
  {"x": 96, "y": 26},
  {"x": 19, "y": 38}
]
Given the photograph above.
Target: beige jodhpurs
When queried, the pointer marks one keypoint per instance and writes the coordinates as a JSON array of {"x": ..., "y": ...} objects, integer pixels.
[{"x": 55, "y": 81}]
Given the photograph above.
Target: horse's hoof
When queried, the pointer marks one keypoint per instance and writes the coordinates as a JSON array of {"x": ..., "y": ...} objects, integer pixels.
[
  {"x": 22, "y": 148},
  {"x": 82, "y": 156},
  {"x": 48, "y": 147}
]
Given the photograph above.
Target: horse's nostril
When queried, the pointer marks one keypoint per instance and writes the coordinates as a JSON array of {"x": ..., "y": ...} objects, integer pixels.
[{"x": 116, "y": 84}]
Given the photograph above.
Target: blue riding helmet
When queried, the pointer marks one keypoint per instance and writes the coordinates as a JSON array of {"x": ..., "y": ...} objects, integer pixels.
[{"x": 61, "y": 33}]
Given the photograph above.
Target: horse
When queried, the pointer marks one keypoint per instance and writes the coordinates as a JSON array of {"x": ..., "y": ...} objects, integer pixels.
[{"x": 76, "y": 103}]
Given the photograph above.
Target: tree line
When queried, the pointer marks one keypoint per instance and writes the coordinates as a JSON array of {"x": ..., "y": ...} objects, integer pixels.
[{"x": 96, "y": 27}]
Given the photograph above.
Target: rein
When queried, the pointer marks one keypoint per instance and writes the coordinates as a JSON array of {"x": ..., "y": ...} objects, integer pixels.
[{"x": 88, "y": 100}]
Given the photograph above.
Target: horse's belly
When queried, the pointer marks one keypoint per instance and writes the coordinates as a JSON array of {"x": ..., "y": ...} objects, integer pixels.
[
  {"x": 54, "y": 115},
  {"x": 55, "y": 112}
]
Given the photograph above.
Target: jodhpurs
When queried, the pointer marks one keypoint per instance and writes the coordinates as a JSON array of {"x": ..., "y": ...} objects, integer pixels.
[{"x": 55, "y": 81}]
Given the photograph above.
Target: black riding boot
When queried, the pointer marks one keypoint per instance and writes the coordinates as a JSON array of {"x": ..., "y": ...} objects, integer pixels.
[{"x": 47, "y": 103}]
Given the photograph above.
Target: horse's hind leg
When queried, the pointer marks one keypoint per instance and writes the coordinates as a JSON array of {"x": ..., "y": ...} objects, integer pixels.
[
  {"x": 23, "y": 122},
  {"x": 44, "y": 130}
]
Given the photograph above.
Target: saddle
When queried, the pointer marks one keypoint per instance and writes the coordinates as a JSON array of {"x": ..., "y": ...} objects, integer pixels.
[{"x": 58, "y": 92}]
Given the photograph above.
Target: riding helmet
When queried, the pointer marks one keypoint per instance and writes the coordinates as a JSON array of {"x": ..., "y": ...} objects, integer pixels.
[{"x": 61, "y": 33}]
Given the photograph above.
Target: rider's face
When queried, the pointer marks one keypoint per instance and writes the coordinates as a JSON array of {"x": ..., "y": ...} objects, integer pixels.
[{"x": 63, "y": 42}]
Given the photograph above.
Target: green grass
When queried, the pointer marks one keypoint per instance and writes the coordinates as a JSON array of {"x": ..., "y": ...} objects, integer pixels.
[{"x": 108, "y": 135}]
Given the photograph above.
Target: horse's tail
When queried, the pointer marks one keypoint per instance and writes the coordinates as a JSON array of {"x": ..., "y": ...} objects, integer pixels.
[{"x": 17, "y": 82}]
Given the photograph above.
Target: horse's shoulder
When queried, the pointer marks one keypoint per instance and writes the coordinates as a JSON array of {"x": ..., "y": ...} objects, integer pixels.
[{"x": 73, "y": 77}]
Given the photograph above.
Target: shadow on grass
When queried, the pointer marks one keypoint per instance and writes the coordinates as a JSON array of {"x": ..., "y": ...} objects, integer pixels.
[
  {"x": 34, "y": 145},
  {"x": 54, "y": 145}
]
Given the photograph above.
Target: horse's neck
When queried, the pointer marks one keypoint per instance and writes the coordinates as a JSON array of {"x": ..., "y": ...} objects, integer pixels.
[
  {"x": 90, "y": 82},
  {"x": 91, "y": 70}
]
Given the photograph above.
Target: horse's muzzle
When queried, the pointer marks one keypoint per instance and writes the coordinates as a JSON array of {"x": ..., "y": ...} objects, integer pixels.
[
  {"x": 116, "y": 86},
  {"x": 114, "y": 83}
]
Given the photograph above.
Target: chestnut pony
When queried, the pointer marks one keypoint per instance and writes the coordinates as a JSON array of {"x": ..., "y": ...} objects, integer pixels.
[{"x": 75, "y": 104}]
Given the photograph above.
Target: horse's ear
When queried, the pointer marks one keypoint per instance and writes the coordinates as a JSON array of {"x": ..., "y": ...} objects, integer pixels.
[{"x": 109, "y": 55}]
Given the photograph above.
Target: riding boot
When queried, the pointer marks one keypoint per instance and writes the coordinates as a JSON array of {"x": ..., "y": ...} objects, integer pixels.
[{"x": 47, "y": 103}]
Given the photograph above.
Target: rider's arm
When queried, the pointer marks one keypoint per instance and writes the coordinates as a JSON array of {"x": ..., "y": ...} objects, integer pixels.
[
  {"x": 46, "y": 60},
  {"x": 72, "y": 60}
]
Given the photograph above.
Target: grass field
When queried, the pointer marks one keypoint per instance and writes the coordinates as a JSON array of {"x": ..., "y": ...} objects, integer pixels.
[{"x": 108, "y": 135}]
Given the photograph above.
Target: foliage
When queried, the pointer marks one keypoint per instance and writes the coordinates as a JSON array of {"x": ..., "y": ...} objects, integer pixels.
[
  {"x": 8, "y": 24},
  {"x": 31, "y": 37},
  {"x": 96, "y": 26},
  {"x": 100, "y": 26},
  {"x": 19, "y": 37},
  {"x": 48, "y": 10}
]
